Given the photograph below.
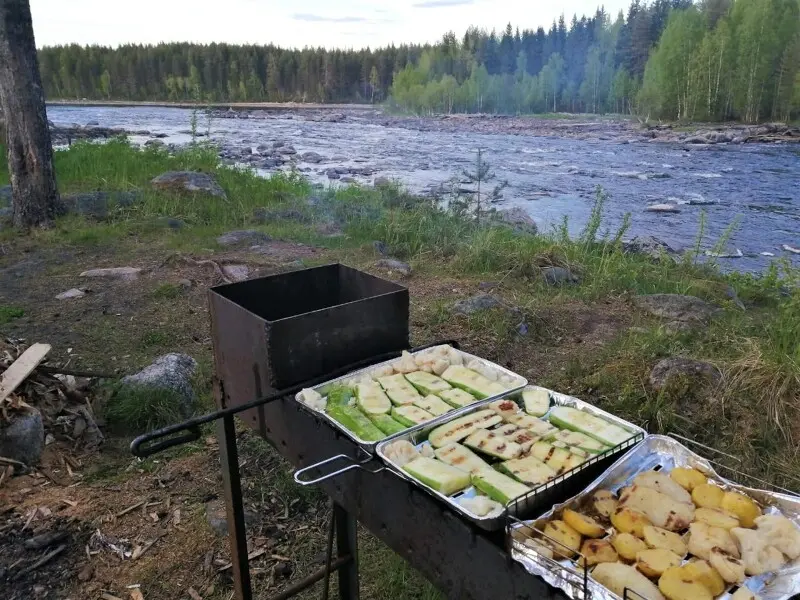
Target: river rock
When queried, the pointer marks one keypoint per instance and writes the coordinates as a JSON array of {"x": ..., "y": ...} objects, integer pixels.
[
  {"x": 332, "y": 174},
  {"x": 519, "y": 220},
  {"x": 394, "y": 265},
  {"x": 69, "y": 294},
  {"x": 249, "y": 237},
  {"x": 154, "y": 144},
  {"x": 286, "y": 150},
  {"x": 665, "y": 370},
  {"x": 97, "y": 204},
  {"x": 559, "y": 276},
  {"x": 382, "y": 182},
  {"x": 380, "y": 247},
  {"x": 475, "y": 304},
  {"x": 663, "y": 208},
  {"x": 347, "y": 179},
  {"x": 312, "y": 157},
  {"x": 23, "y": 438},
  {"x": 236, "y": 273},
  {"x": 189, "y": 181},
  {"x": 123, "y": 273},
  {"x": 649, "y": 245},
  {"x": 264, "y": 148},
  {"x": 93, "y": 124},
  {"x": 677, "y": 308},
  {"x": 171, "y": 372}
]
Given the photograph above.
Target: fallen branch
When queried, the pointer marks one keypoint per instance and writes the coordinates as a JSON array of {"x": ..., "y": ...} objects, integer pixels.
[
  {"x": 44, "y": 559},
  {"x": 122, "y": 513},
  {"x": 253, "y": 555}
]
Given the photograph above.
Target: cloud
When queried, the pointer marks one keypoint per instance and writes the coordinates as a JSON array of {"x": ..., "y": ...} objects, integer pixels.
[
  {"x": 440, "y": 3},
  {"x": 322, "y": 19}
]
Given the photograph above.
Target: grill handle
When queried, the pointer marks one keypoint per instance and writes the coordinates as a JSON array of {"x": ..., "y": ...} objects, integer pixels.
[{"x": 354, "y": 464}]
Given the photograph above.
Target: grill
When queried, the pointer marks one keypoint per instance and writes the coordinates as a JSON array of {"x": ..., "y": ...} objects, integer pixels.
[{"x": 274, "y": 337}]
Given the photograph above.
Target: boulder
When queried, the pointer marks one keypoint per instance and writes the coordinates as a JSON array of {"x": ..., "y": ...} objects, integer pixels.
[
  {"x": 382, "y": 181},
  {"x": 123, "y": 273},
  {"x": 663, "y": 208},
  {"x": 391, "y": 264},
  {"x": 97, "y": 204},
  {"x": 264, "y": 148},
  {"x": 244, "y": 237},
  {"x": 236, "y": 273},
  {"x": 677, "y": 307},
  {"x": 518, "y": 219},
  {"x": 23, "y": 438},
  {"x": 69, "y": 294},
  {"x": 559, "y": 276},
  {"x": 189, "y": 181},
  {"x": 666, "y": 370},
  {"x": 312, "y": 157},
  {"x": 332, "y": 174},
  {"x": 649, "y": 245},
  {"x": 171, "y": 372},
  {"x": 695, "y": 139},
  {"x": 475, "y": 304}
]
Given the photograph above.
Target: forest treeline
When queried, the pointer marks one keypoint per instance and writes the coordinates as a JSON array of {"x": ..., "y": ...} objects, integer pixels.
[{"x": 669, "y": 59}]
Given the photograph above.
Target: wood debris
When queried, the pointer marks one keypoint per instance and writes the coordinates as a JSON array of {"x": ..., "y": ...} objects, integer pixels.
[
  {"x": 251, "y": 556},
  {"x": 193, "y": 594},
  {"x": 124, "y": 512},
  {"x": 136, "y": 594},
  {"x": 44, "y": 559}
]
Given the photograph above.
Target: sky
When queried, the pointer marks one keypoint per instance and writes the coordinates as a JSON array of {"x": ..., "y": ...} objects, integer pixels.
[{"x": 290, "y": 23}]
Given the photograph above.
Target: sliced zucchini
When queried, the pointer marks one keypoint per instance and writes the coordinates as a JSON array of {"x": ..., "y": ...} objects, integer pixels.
[
  {"x": 470, "y": 381},
  {"x": 398, "y": 389},
  {"x": 493, "y": 445},
  {"x": 580, "y": 440},
  {"x": 534, "y": 425},
  {"x": 524, "y": 438},
  {"x": 506, "y": 429},
  {"x": 371, "y": 399},
  {"x": 410, "y": 415},
  {"x": 440, "y": 476},
  {"x": 387, "y": 424},
  {"x": 433, "y": 404},
  {"x": 528, "y": 470},
  {"x": 573, "y": 461},
  {"x": 505, "y": 408},
  {"x": 461, "y": 458},
  {"x": 553, "y": 457},
  {"x": 340, "y": 395},
  {"x": 427, "y": 383},
  {"x": 456, "y": 397},
  {"x": 498, "y": 486},
  {"x": 461, "y": 427},
  {"x": 355, "y": 421},
  {"x": 567, "y": 417},
  {"x": 536, "y": 400}
]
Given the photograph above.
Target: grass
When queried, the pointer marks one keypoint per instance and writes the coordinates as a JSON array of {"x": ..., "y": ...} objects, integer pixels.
[
  {"x": 133, "y": 410},
  {"x": 9, "y": 313}
]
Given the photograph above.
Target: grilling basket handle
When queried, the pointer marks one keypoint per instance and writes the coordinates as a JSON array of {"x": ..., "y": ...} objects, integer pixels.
[{"x": 363, "y": 463}]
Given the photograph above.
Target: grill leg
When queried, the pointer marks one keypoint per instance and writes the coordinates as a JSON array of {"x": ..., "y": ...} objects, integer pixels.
[
  {"x": 347, "y": 544},
  {"x": 234, "y": 506}
]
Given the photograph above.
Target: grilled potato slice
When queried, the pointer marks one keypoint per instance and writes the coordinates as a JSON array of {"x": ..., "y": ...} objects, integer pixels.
[
  {"x": 716, "y": 518},
  {"x": 654, "y": 561},
  {"x": 703, "y": 572},
  {"x": 742, "y": 506},
  {"x": 662, "y": 510},
  {"x": 605, "y": 503},
  {"x": 702, "y": 538},
  {"x": 539, "y": 546},
  {"x": 598, "y": 551},
  {"x": 627, "y": 545},
  {"x": 661, "y": 482},
  {"x": 676, "y": 584},
  {"x": 708, "y": 495},
  {"x": 730, "y": 569},
  {"x": 655, "y": 537},
  {"x": 688, "y": 478},
  {"x": 582, "y": 524},
  {"x": 618, "y": 577},
  {"x": 569, "y": 539},
  {"x": 627, "y": 520}
]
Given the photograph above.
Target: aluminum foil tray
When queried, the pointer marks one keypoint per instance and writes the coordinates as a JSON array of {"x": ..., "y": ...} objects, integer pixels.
[
  {"x": 519, "y": 382},
  {"x": 554, "y": 490},
  {"x": 662, "y": 453}
]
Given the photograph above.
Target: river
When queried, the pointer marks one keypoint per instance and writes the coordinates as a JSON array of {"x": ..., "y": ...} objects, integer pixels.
[{"x": 756, "y": 185}]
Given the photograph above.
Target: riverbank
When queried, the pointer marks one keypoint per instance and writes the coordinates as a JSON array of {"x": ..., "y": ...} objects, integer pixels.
[{"x": 576, "y": 313}]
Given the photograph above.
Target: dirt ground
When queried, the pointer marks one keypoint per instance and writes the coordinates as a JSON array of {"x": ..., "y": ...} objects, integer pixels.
[{"x": 122, "y": 526}]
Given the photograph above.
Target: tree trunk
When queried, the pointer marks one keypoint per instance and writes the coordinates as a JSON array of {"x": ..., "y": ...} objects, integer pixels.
[{"x": 30, "y": 154}]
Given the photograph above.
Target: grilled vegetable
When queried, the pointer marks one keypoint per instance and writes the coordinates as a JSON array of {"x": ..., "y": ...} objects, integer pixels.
[
  {"x": 757, "y": 556},
  {"x": 730, "y": 569},
  {"x": 629, "y": 521},
  {"x": 339, "y": 395},
  {"x": 372, "y": 400},
  {"x": 461, "y": 427},
  {"x": 567, "y": 417},
  {"x": 536, "y": 400},
  {"x": 435, "y": 474},
  {"x": 604, "y": 503},
  {"x": 688, "y": 478},
  {"x": 461, "y": 458},
  {"x": 569, "y": 540},
  {"x": 399, "y": 390},
  {"x": 523, "y": 437},
  {"x": 529, "y": 470},
  {"x": 628, "y": 545},
  {"x": 433, "y": 404},
  {"x": 401, "y": 452},
  {"x": 355, "y": 421},
  {"x": 576, "y": 439},
  {"x": 742, "y": 506},
  {"x": 386, "y": 424},
  {"x": 716, "y": 518},
  {"x": 456, "y": 397},
  {"x": 410, "y": 415},
  {"x": 532, "y": 424},
  {"x": 505, "y": 408},
  {"x": 705, "y": 574},
  {"x": 707, "y": 495},
  {"x": 553, "y": 457},
  {"x": 472, "y": 382},
  {"x": 427, "y": 383},
  {"x": 662, "y": 510},
  {"x": 573, "y": 461},
  {"x": 702, "y": 538},
  {"x": 493, "y": 445},
  {"x": 479, "y": 505},
  {"x": 655, "y": 537},
  {"x": 780, "y": 532},
  {"x": 582, "y": 524},
  {"x": 498, "y": 486},
  {"x": 654, "y": 561},
  {"x": 661, "y": 482},
  {"x": 506, "y": 430},
  {"x": 598, "y": 551},
  {"x": 618, "y": 578},
  {"x": 677, "y": 584}
]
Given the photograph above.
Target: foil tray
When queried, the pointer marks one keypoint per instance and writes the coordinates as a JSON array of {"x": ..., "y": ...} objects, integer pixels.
[
  {"x": 667, "y": 453},
  {"x": 369, "y": 446},
  {"x": 526, "y": 504}
]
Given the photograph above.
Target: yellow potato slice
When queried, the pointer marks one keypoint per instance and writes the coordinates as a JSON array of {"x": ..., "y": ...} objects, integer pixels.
[
  {"x": 604, "y": 503},
  {"x": 627, "y": 520},
  {"x": 598, "y": 551},
  {"x": 742, "y": 506},
  {"x": 584, "y": 525},
  {"x": 707, "y": 495},
  {"x": 730, "y": 569},
  {"x": 688, "y": 478},
  {"x": 618, "y": 577},
  {"x": 654, "y": 561},
  {"x": 676, "y": 584},
  {"x": 656, "y": 537},
  {"x": 703, "y": 538},
  {"x": 569, "y": 540},
  {"x": 716, "y": 518},
  {"x": 703, "y": 572},
  {"x": 628, "y": 545}
]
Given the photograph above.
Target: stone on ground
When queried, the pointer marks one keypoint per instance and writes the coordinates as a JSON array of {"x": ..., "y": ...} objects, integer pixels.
[
  {"x": 171, "y": 372},
  {"x": 218, "y": 519},
  {"x": 391, "y": 264},
  {"x": 382, "y": 181},
  {"x": 519, "y": 220},
  {"x": 665, "y": 370},
  {"x": 559, "y": 276},
  {"x": 677, "y": 307},
  {"x": 236, "y": 273},
  {"x": 475, "y": 304},
  {"x": 189, "y": 181},
  {"x": 244, "y": 237},
  {"x": 649, "y": 245},
  {"x": 69, "y": 294},
  {"x": 123, "y": 273},
  {"x": 23, "y": 438}
]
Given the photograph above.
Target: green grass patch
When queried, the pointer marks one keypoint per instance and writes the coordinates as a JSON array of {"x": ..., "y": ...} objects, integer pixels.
[
  {"x": 9, "y": 313},
  {"x": 131, "y": 410},
  {"x": 167, "y": 291}
]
